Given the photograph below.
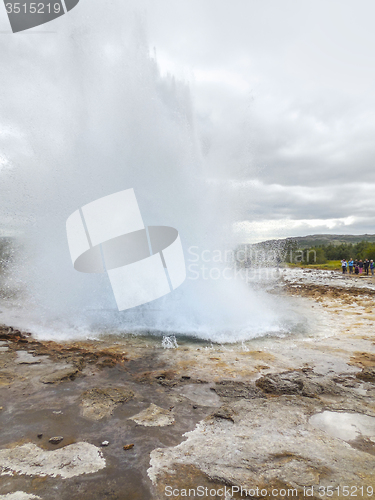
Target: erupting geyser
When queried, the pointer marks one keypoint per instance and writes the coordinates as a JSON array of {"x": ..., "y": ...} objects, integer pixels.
[{"x": 99, "y": 118}]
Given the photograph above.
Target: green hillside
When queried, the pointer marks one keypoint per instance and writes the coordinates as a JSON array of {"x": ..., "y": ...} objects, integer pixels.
[{"x": 324, "y": 239}]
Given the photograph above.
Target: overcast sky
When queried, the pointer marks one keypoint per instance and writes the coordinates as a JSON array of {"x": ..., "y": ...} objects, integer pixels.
[
  {"x": 284, "y": 93},
  {"x": 284, "y": 98}
]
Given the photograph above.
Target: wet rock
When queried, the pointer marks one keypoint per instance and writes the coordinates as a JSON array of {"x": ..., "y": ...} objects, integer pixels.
[
  {"x": 296, "y": 383},
  {"x": 162, "y": 377},
  {"x": 77, "y": 354},
  {"x": 106, "y": 362},
  {"x": 25, "y": 358},
  {"x": 367, "y": 374},
  {"x": 154, "y": 416},
  {"x": 281, "y": 383},
  {"x": 99, "y": 402},
  {"x": 39, "y": 436},
  {"x": 60, "y": 375},
  {"x": 56, "y": 439},
  {"x": 128, "y": 446},
  {"x": 225, "y": 412},
  {"x": 69, "y": 461},
  {"x": 105, "y": 443},
  {"x": 236, "y": 390},
  {"x": 168, "y": 378},
  {"x": 9, "y": 333},
  {"x": 267, "y": 443}
]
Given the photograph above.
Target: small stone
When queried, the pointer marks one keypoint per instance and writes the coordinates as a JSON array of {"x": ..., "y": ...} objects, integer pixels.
[
  {"x": 195, "y": 407},
  {"x": 55, "y": 440},
  {"x": 39, "y": 436},
  {"x": 128, "y": 446},
  {"x": 105, "y": 443}
]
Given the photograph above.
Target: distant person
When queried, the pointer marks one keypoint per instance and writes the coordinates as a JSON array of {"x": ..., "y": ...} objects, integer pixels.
[
  {"x": 366, "y": 265},
  {"x": 351, "y": 265},
  {"x": 372, "y": 267},
  {"x": 344, "y": 266},
  {"x": 356, "y": 268},
  {"x": 360, "y": 265}
]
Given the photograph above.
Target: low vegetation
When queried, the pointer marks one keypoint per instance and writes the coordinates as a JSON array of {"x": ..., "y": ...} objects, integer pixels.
[{"x": 330, "y": 256}]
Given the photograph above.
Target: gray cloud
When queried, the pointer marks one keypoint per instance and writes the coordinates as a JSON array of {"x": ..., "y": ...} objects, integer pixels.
[{"x": 283, "y": 96}]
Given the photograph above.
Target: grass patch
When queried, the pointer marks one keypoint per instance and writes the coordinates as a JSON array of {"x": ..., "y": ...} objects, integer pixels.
[{"x": 330, "y": 265}]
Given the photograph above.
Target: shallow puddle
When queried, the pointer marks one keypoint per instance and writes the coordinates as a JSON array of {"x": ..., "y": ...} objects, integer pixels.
[{"x": 345, "y": 426}]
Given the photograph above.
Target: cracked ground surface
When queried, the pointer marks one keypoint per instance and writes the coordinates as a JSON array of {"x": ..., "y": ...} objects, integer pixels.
[{"x": 237, "y": 415}]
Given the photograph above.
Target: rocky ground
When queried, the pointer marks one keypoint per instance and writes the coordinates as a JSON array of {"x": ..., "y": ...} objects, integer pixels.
[{"x": 292, "y": 416}]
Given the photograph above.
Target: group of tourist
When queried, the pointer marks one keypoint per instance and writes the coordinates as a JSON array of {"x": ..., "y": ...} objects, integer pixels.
[{"x": 357, "y": 266}]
